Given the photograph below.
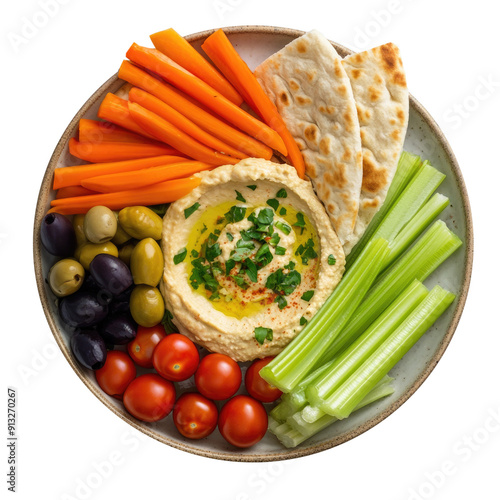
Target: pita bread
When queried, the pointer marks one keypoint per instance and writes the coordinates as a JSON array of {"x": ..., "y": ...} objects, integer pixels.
[
  {"x": 307, "y": 82},
  {"x": 379, "y": 86}
]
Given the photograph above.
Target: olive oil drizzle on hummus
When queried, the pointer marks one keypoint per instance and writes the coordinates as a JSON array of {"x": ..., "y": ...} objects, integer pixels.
[{"x": 242, "y": 258}]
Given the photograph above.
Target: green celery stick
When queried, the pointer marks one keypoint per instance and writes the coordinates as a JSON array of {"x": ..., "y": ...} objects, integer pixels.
[
  {"x": 290, "y": 435},
  {"x": 287, "y": 369},
  {"x": 343, "y": 401},
  {"x": 365, "y": 345},
  {"x": 408, "y": 166},
  {"x": 418, "y": 262},
  {"x": 415, "y": 226}
]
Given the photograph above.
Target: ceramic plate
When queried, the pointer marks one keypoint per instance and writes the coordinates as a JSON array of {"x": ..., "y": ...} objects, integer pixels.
[{"x": 256, "y": 43}]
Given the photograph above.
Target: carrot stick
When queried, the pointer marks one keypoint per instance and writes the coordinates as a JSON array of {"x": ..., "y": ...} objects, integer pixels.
[
  {"x": 223, "y": 54},
  {"x": 163, "y": 192},
  {"x": 177, "y": 119},
  {"x": 72, "y": 191},
  {"x": 160, "y": 64},
  {"x": 163, "y": 91},
  {"x": 182, "y": 52},
  {"x": 116, "y": 151},
  {"x": 103, "y": 131},
  {"x": 140, "y": 178},
  {"x": 72, "y": 176},
  {"x": 165, "y": 131},
  {"x": 114, "y": 109}
]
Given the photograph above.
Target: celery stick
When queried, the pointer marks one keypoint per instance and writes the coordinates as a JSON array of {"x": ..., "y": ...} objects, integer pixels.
[
  {"x": 283, "y": 410},
  {"x": 287, "y": 369},
  {"x": 343, "y": 401},
  {"x": 364, "y": 346},
  {"x": 407, "y": 167},
  {"x": 418, "y": 262},
  {"x": 295, "y": 431},
  {"x": 409, "y": 202},
  {"x": 415, "y": 226}
]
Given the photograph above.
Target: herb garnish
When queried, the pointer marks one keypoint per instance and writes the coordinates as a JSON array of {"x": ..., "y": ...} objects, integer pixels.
[
  {"x": 262, "y": 334},
  {"x": 274, "y": 203},
  {"x": 331, "y": 260},
  {"x": 191, "y": 210},
  {"x": 307, "y": 296},
  {"x": 240, "y": 197},
  {"x": 253, "y": 187},
  {"x": 300, "y": 220},
  {"x": 235, "y": 214},
  {"x": 281, "y": 193},
  {"x": 180, "y": 256}
]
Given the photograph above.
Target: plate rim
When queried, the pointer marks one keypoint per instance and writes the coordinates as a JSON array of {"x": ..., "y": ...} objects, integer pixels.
[{"x": 287, "y": 453}]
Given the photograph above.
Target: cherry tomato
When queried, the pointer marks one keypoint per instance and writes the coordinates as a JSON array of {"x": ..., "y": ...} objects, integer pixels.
[
  {"x": 218, "y": 376},
  {"x": 195, "y": 416},
  {"x": 256, "y": 386},
  {"x": 149, "y": 397},
  {"x": 142, "y": 347},
  {"x": 176, "y": 357},
  {"x": 116, "y": 374},
  {"x": 243, "y": 421}
]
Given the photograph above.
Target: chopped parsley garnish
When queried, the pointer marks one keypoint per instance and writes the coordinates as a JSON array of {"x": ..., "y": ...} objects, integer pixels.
[
  {"x": 240, "y": 281},
  {"x": 243, "y": 250},
  {"x": 180, "y": 256},
  {"x": 274, "y": 203},
  {"x": 331, "y": 260},
  {"x": 195, "y": 254},
  {"x": 281, "y": 193},
  {"x": 282, "y": 211},
  {"x": 239, "y": 197},
  {"x": 253, "y": 187},
  {"x": 283, "y": 227},
  {"x": 263, "y": 255},
  {"x": 274, "y": 239},
  {"x": 282, "y": 303},
  {"x": 191, "y": 210},
  {"x": 303, "y": 321},
  {"x": 251, "y": 270},
  {"x": 290, "y": 265},
  {"x": 300, "y": 220},
  {"x": 203, "y": 229},
  {"x": 262, "y": 334},
  {"x": 280, "y": 250},
  {"x": 306, "y": 251},
  {"x": 230, "y": 237},
  {"x": 230, "y": 263},
  {"x": 235, "y": 214},
  {"x": 307, "y": 296},
  {"x": 283, "y": 283},
  {"x": 212, "y": 252}
]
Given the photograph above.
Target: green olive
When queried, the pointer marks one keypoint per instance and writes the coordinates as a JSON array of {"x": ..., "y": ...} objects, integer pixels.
[
  {"x": 90, "y": 250},
  {"x": 121, "y": 236},
  {"x": 146, "y": 263},
  {"x": 78, "y": 227},
  {"x": 146, "y": 305},
  {"x": 125, "y": 252},
  {"x": 99, "y": 224},
  {"x": 66, "y": 277},
  {"x": 140, "y": 222}
]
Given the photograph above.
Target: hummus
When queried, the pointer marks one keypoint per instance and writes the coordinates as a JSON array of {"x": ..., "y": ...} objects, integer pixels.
[{"x": 250, "y": 257}]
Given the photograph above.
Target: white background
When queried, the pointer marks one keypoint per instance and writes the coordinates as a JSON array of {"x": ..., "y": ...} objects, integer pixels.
[{"x": 443, "y": 443}]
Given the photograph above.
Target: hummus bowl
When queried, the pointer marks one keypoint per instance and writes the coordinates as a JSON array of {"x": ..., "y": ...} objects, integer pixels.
[{"x": 424, "y": 138}]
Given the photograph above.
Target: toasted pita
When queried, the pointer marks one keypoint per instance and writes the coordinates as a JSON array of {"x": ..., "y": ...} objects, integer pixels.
[
  {"x": 379, "y": 87},
  {"x": 307, "y": 82}
]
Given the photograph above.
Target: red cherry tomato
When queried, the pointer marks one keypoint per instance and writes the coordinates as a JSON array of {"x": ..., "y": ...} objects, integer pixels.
[
  {"x": 218, "y": 376},
  {"x": 176, "y": 357},
  {"x": 256, "y": 386},
  {"x": 195, "y": 416},
  {"x": 149, "y": 397},
  {"x": 116, "y": 374},
  {"x": 243, "y": 421},
  {"x": 142, "y": 347}
]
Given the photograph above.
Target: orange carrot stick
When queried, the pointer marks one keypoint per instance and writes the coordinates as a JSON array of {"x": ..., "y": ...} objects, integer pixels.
[
  {"x": 116, "y": 151},
  {"x": 140, "y": 178},
  {"x": 182, "y": 52},
  {"x": 103, "y": 131},
  {"x": 72, "y": 176},
  {"x": 163, "y": 66},
  {"x": 223, "y": 54},
  {"x": 72, "y": 191},
  {"x": 177, "y": 119},
  {"x": 163, "y": 91},
  {"x": 163, "y": 192},
  {"x": 165, "y": 131},
  {"x": 115, "y": 110}
]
